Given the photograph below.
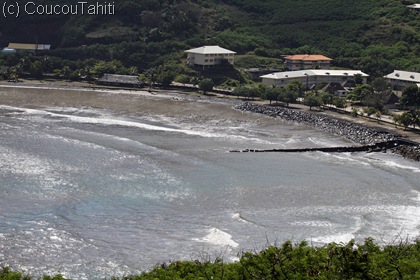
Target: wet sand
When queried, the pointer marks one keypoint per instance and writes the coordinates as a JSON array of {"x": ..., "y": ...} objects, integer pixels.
[
  {"x": 44, "y": 94},
  {"x": 123, "y": 101}
]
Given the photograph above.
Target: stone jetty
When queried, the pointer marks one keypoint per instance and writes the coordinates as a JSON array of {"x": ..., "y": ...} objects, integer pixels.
[{"x": 357, "y": 133}]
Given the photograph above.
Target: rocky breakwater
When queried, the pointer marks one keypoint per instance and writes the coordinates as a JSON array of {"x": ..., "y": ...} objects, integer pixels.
[
  {"x": 357, "y": 133},
  {"x": 410, "y": 152}
]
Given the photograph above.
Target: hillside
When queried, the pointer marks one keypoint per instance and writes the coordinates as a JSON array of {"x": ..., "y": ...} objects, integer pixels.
[{"x": 376, "y": 36}]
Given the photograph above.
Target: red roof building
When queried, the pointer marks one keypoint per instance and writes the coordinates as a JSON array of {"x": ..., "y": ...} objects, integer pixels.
[{"x": 307, "y": 61}]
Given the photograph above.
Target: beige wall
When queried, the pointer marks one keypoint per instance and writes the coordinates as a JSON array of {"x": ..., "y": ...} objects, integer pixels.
[
  {"x": 400, "y": 84},
  {"x": 209, "y": 59},
  {"x": 295, "y": 65}
]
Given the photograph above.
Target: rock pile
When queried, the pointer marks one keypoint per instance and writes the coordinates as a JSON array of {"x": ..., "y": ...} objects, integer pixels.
[
  {"x": 409, "y": 152},
  {"x": 354, "y": 132}
]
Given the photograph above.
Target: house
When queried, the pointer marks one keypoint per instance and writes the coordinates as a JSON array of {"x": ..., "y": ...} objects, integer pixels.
[
  {"x": 335, "y": 89},
  {"x": 391, "y": 101},
  {"x": 120, "y": 80},
  {"x": 415, "y": 7},
  {"x": 8, "y": 51},
  {"x": 400, "y": 79},
  {"x": 28, "y": 47},
  {"x": 307, "y": 61},
  {"x": 349, "y": 85},
  {"x": 208, "y": 56},
  {"x": 312, "y": 77}
]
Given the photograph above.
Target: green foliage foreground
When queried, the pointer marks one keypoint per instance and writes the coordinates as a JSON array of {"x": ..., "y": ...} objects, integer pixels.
[{"x": 289, "y": 261}]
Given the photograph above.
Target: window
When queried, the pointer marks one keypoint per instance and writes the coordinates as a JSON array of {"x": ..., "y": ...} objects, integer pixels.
[{"x": 206, "y": 60}]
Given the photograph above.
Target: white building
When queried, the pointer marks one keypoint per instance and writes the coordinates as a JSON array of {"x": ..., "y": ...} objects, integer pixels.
[
  {"x": 208, "y": 56},
  {"x": 414, "y": 6},
  {"x": 311, "y": 77},
  {"x": 400, "y": 79}
]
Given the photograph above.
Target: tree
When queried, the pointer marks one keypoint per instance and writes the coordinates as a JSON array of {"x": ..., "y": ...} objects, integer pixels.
[
  {"x": 339, "y": 102},
  {"x": 360, "y": 92},
  {"x": 183, "y": 79},
  {"x": 288, "y": 96},
  {"x": 15, "y": 72},
  {"x": 296, "y": 87},
  {"x": 271, "y": 94},
  {"x": 369, "y": 111},
  {"x": 354, "y": 112},
  {"x": 166, "y": 74},
  {"x": 256, "y": 91},
  {"x": 66, "y": 72},
  {"x": 109, "y": 67},
  {"x": 327, "y": 98},
  {"x": 312, "y": 100},
  {"x": 380, "y": 84},
  {"x": 132, "y": 71},
  {"x": 165, "y": 77},
  {"x": 206, "y": 85},
  {"x": 149, "y": 77},
  {"x": 376, "y": 100},
  {"x": 250, "y": 91},
  {"x": 36, "y": 69},
  {"x": 411, "y": 96},
  {"x": 405, "y": 119},
  {"x": 241, "y": 91},
  {"x": 378, "y": 115}
]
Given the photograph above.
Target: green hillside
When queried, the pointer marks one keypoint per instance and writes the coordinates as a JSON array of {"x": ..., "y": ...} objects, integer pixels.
[{"x": 376, "y": 36}]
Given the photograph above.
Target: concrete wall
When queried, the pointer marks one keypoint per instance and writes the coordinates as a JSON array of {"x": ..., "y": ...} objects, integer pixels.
[
  {"x": 307, "y": 80},
  {"x": 209, "y": 59}
]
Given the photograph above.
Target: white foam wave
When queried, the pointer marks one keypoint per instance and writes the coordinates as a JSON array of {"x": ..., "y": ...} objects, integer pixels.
[
  {"x": 337, "y": 238},
  {"x": 342, "y": 158},
  {"x": 216, "y": 236},
  {"x": 126, "y": 123},
  {"x": 238, "y": 217},
  {"x": 128, "y": 143},
  {"x": 169, "y": 195},
  {"x": 407, "y": 221},
  {"x": 417, "y": 195},
  {"x": 292, "y": 141},
  {"x": 84, "y": 89},
  {"x": 396, "y": 165},
  {"x": 213, "y": 127},
  {"x": 20, "y": 163},
  {"x": 314, "y": 223}
]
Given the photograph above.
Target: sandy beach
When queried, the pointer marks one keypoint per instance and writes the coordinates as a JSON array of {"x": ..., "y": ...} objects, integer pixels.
[
  {"x": 56, "y": 93},
  {"x": 81, "y": 95}
]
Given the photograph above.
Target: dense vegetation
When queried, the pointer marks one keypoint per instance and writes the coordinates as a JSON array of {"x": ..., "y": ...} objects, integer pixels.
[
  {"x": 148, "y": 37},
  {"x": 292, "y": 261},
  {"x": 376, "y": 36}
]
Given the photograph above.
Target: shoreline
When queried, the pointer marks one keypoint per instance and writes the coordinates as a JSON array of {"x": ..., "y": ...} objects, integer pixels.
[
  {"x": 34, "y": 93},
  {"x": 358, "y": 133}
]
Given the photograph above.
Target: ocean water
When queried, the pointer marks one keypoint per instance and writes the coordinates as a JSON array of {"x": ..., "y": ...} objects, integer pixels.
[{"x": 91, "y": 193}]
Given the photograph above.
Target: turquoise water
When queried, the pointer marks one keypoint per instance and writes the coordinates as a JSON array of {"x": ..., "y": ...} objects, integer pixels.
[{"x": 90, "y": 193}]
